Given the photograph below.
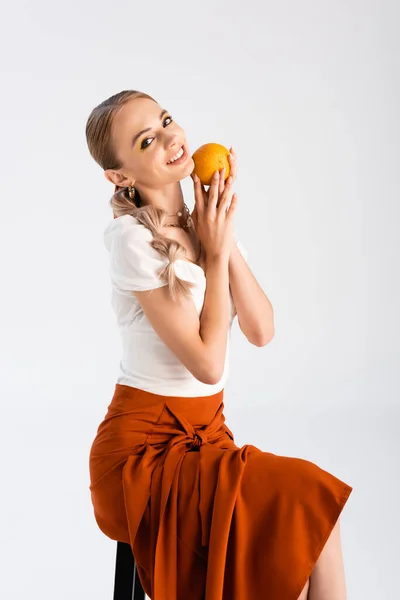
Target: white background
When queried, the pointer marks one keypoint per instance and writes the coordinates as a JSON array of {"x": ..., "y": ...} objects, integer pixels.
[{"x": 308, "y": 95}]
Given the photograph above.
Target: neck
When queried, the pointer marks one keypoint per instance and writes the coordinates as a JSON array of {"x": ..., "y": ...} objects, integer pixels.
[{"x": 170, "y": 199}]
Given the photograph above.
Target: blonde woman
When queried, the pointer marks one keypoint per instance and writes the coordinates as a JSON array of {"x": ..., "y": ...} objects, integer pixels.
[{"x": 205, "y": 518}]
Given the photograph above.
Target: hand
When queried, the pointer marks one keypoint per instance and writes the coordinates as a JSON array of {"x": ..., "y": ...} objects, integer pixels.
[
  {"x": 193, "y": 215},
  {"x": 233, "y": 172},
  {"x": 213, "y": 216}
]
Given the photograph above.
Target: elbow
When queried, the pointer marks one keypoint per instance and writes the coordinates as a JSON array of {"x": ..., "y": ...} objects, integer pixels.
[
  {"x": 264, "y": 337},
  {"x": 211, "y": 378},
  {"x": 211, "y": 375}
]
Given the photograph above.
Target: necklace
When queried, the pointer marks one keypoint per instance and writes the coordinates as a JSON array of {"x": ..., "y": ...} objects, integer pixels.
[
  {"x": 189, "y": 222},
  {"x": 187, "y": 226}
]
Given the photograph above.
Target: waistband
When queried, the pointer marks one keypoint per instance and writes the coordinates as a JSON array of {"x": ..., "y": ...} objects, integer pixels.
[{"x": 196, "y": 409}]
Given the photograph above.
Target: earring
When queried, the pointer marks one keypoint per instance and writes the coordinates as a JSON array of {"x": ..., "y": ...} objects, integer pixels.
[{"x": 131, "y": 192}]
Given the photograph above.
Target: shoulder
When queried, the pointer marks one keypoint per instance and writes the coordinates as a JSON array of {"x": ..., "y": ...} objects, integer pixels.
[
  {"x": 135, "y": 265},
  {"x": 127, "y": 235},
  {"x": 124, "y": 228}
]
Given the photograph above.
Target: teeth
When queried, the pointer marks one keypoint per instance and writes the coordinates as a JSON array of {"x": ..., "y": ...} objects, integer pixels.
[{"x": 178, "y": 155}]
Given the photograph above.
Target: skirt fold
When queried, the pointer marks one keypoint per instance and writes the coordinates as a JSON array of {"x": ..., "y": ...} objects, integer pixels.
[{"x": 207, "y": 519}]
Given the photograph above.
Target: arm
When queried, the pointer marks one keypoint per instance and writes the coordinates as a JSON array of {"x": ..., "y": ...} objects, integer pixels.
[
  {"x": 200, "y": 344},
  {"x": 254, "y": 310}
]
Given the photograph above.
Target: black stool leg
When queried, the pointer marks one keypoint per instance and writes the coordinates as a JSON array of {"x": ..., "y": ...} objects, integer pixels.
[{"x": 127, "y": 584}]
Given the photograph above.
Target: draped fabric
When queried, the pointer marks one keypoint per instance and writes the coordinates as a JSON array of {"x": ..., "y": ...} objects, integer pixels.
[{"x": 205, "y": 518}]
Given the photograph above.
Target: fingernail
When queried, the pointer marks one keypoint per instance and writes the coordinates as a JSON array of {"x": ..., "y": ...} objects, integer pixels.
[{"x": 195, "y": 178}]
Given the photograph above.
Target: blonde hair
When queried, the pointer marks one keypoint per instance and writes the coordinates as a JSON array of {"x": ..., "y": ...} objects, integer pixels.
[{"x": 102, "y": 150}]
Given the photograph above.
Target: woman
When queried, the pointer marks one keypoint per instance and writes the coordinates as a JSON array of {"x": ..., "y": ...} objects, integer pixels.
[{"x": 206, "y": 519}]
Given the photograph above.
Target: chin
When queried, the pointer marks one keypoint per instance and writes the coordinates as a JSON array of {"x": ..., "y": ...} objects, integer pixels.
[
  {"x": 190, "y": 164},
  {"x": 186, "y": 170},
  {"x": 189, "y": 167}
]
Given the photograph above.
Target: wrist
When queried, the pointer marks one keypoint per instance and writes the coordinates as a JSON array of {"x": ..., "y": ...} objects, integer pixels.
[{"x": 216, "y": 259}]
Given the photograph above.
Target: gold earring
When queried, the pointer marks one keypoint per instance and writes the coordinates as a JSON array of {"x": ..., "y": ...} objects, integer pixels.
[{"x": 131, "y": 192}]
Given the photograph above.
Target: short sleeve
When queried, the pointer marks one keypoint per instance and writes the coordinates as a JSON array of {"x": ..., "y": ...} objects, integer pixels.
[{"x": 134, "y": 264}]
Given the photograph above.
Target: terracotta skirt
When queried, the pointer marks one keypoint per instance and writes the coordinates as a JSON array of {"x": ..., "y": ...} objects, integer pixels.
[{"x": 205, "y": 518}]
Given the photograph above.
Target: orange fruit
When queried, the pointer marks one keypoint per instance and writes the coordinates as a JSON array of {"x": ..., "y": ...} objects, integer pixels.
[{"x": 208, "y": 159}]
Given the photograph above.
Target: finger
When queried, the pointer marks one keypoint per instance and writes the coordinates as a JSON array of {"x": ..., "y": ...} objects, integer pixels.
[
  {"x": 232, "y": 164},
  {"x": 226, "y": 197},
  {"x": 194, "y": 216},
  {"x": 205, "y": 195},
  {"x": 232, "y": 207},
  {"x": 198, "y": 194},
  {"x": 213, "y": 193},
  {"x": 221, "y": 180}
]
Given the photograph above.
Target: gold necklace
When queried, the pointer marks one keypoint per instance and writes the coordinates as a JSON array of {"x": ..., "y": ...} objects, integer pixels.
[
  {"x": 189, "y": 221},
  {"x": 187, "y": 226}
]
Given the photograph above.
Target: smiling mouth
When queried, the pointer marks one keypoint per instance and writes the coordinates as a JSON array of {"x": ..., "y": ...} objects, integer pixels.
[{"x": 180, "y": 160}]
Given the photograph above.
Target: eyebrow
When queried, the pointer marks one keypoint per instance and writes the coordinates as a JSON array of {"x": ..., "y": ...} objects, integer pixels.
[{"x": 148, "y": 128}]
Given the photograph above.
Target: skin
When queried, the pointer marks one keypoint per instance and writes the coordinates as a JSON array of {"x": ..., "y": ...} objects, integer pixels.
[
  {"x": 327, "y": 580},
  {"x": 145, "y": 167},
  {"x": 145, "y": 163}
]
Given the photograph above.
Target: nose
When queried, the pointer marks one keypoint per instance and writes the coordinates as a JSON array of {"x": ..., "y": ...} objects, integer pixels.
[{"x": 174, "y": 143}]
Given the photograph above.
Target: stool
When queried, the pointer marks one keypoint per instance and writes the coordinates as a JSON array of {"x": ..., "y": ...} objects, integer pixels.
[{"x": 127, "y": 584}]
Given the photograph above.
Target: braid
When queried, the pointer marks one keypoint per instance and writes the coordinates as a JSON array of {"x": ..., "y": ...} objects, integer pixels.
[{"x": 153, "y": 218}]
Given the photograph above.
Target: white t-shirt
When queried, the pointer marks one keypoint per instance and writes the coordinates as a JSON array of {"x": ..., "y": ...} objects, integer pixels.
[{"x": 147, "y": 362}]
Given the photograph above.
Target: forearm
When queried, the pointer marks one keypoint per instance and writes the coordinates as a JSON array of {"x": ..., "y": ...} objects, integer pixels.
[
  {"x": 254, "y": 310},
  {"x": 214, "y": 320}
]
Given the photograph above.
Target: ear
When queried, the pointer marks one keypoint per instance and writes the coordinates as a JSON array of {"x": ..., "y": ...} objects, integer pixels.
[{"x": 116, "y": 178}]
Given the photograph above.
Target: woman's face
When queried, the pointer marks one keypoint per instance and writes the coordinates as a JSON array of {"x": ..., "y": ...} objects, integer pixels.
[{"x": 145, "y": 154}]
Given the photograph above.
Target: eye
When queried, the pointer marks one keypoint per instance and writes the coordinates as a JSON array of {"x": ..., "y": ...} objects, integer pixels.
[{"x": 142, "y": 146}]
